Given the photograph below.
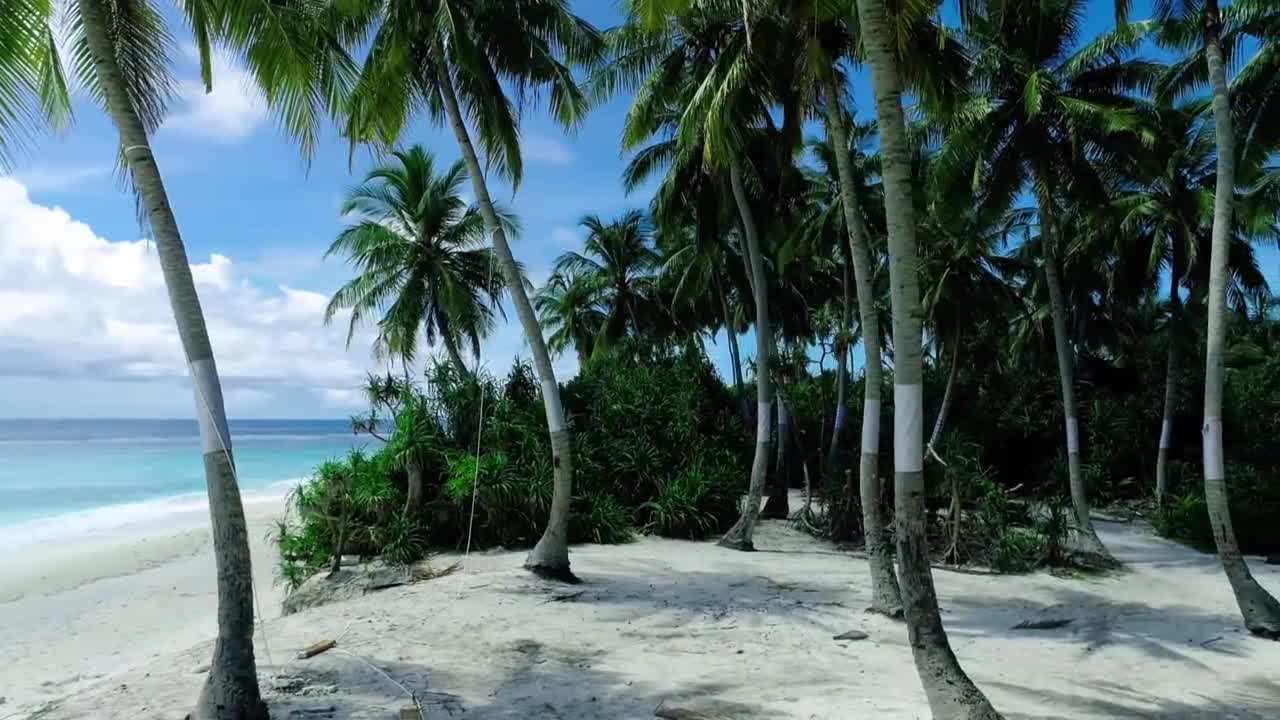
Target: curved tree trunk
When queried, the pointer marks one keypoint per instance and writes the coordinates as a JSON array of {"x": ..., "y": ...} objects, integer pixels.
[
  {"x": 951, "y": 693},
  {"x": 842, "y": 368},
  {"x": 455, "y": 357},
  {"x": 739, "y": 536},
  {"x": 886, "y": 597},
  {"x": 1170, "y": 377},
  {"x": 550, "y": 557},
  {"x": 735, "y": 355},
  {"x": 1086, "y": 547},
  {"x": 231, "y": 690},
  {"x": 1261, "y": 611},
  {"x": 777, "y": 506},
  {"x": 941, "y": 422}
]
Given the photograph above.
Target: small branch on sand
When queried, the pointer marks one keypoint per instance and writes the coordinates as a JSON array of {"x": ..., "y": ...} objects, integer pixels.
[{"x": 311, "y": 651}]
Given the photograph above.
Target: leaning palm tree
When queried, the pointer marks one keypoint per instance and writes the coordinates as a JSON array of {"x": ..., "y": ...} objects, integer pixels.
[
  {"x": 1181, "y": 20},
  {"x": 950, "y": 692},
  {"x": 455, "y": 61},
  {"x": 120, "y": 53},
  {"x": 619, "y": 260},
  {"x": 421, "y": 257}
]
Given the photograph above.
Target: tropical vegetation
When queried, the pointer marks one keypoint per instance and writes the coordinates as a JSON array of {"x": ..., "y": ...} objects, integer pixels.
[{"x": 1015, "y": 257}]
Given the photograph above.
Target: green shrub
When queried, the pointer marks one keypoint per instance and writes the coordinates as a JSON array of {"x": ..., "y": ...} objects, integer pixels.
[
  {"x": 657, "y": 444},
  {"x": 601, "y": 519},
  {"x": 1016, "y": 549},
  {"x": 1254, "y": 499}
]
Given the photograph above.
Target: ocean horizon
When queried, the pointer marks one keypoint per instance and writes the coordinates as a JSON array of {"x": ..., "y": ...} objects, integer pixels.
[{"x": 62, "y": 478}]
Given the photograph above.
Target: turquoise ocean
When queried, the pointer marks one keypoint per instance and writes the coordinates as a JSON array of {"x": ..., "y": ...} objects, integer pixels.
[{"x": 62, "y": 478}]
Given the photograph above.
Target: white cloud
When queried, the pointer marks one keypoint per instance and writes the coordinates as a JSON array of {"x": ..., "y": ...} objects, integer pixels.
[
  {"x": 40, "y": 178},
  {"x": 546, "y": 150},
  {"x": 231, "y": 112},
  {"x": 80, "y": 308}
]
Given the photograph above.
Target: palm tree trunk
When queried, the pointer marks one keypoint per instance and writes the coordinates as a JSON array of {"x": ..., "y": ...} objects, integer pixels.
[
  {"x": 1171, "y": 377},
  {"x": 735, "y": 356},
  {"x": 1261, "y": 611},
  {"x": 455, "y": 357},
  {"x": 739, "y": 536},
  {"x": 231, "y": 689},
  {"x": 413, "y": 496},
  {"x": 936, "y": 436},
  {"x": 842, "y": 368},
  {"x": 777, "y": 506},
  {"x": 886, "y": 597},
  {"x": 1087, "y": 548},
  {"x": 950, "y": 692},
  {"x": 550, "y": 557}
]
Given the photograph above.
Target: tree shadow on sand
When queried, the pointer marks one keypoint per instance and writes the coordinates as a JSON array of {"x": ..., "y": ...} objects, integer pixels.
[{"x": 1255, "y": 698}]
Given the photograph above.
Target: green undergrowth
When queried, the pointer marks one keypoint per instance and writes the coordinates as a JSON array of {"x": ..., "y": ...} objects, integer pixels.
[{"x": 658, "y": 448}]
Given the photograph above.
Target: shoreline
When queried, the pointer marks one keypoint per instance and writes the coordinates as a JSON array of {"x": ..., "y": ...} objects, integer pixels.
[{"x": 87, "y": 607}]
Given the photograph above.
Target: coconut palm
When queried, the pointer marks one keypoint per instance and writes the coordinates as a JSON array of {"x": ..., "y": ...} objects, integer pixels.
[
  {"x": 950, "y": 691},
  {"x": 422, "y": 259},
  {"x": 1048, "y": 115},
  {"x": 455, "y": 61},
  {"x": 1165, "y": 221},
  {"x": 697, "y": 60},
  {"x": 571, "y": 307},
  {"x": 619, "y": 261},
  {"x": 120, "y": 54},
  {"x": 1182, "y": 22}
]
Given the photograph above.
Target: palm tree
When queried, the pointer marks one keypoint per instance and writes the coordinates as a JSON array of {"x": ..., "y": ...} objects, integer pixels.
[
  {"x": 570, "y": 306},
  {"x": 697, "y": 60},
  {"x": 618, "y": 260},
  {"x": 1048, "y": 115},
  {"x": 1165, "y": 221},
  {"x": 120, "y": 53},
  {"x": 950, "y": 692},
  {"x": 455, "y": 60},
  {"x": 1261, "y": 611},
  {"x": 421, "y": 257},
  {"x": 885, "y": 595}
]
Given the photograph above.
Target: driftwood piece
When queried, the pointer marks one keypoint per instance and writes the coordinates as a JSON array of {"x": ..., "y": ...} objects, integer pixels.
[
  {"x": 674, "y": 713},
  {"x": 313, "y": 650},
  {"x": 1043, "y": 624},
  {"x": 851, "y": 635}
]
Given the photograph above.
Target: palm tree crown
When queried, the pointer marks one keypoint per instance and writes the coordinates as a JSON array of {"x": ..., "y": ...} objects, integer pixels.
[{"x": 421, "y": 256}]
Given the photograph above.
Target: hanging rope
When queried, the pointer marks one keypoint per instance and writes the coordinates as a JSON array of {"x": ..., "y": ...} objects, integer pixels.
[{"x": 475, "y": 480}]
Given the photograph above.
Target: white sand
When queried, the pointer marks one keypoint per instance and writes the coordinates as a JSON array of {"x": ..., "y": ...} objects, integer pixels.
[
  {"x": 76, "y": 612},
  {"x": 660, "y": 621}
]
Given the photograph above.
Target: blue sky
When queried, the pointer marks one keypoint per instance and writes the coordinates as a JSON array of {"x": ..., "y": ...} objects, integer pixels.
[{"x": 82, "y": 341}]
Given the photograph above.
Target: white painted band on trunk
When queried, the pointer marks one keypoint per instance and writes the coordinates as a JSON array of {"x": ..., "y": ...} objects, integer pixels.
[
  {"x": 871, "y": 428},
  {"x": 1165, "y": 432},
  {"x": 551, "y": 403},
  {"x": 1073, "y": 435},
  {"x": 908, "y": 428},
  {"x": 210, "y": 414},
  {"x": 764, "y": 422},
  {"x": 1213, "y": 467}
]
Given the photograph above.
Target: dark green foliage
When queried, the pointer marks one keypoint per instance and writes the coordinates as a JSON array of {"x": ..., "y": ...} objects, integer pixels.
[
  {"x": 658, "y": 447},
  {"x": 1255, "y": 506}
]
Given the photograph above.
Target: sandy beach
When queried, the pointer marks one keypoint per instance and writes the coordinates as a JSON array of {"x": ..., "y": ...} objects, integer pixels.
[
  {"x": 123, "y": 629},
  {"x": 657, "y": 623},
  {"x": 75, "y": 612}
]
